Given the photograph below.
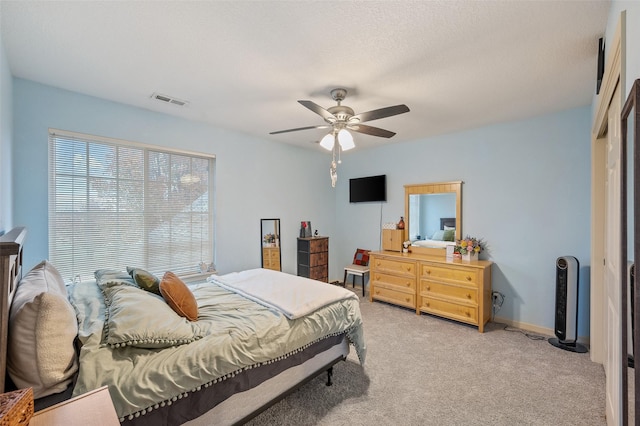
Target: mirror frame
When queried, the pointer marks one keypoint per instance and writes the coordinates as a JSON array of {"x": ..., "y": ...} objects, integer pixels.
[
  {"x": 433, "y": 188},
  {"x": 276, "y": 228},
  {"x": 630, "y": 108}
]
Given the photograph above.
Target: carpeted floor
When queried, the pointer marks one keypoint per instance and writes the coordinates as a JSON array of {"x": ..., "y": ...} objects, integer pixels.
[{"x": 422, "y": 370}]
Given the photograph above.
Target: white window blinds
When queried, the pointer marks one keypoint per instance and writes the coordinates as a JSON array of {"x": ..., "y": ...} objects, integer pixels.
[{"x": 114, "y": 204}]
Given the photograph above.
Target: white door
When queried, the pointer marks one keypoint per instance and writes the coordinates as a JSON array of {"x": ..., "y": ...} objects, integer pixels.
[{"x": 613, "y": 367}]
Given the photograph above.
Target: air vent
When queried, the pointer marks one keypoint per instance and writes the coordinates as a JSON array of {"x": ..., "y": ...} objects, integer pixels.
[{"x": 169, "y": 99}]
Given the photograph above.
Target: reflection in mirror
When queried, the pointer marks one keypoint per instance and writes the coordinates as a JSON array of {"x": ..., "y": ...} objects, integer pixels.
[
  {"x": 427, "y": 210},
  {"x": 270, "y": 234},
  {"x": 434, "y": 214}
]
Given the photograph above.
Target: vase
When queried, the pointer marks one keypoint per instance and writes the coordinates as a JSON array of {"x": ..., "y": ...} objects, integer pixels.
[
  {"x": 470, "y": 256},
  {"x": 400, "y": 224}
]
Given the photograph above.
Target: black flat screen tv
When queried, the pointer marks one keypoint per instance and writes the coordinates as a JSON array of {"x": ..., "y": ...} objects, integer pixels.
[{"x": 368, "y": 189}]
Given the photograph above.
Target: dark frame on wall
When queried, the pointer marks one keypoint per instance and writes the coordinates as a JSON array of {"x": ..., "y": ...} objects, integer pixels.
[{"x": 630, "y": 132}]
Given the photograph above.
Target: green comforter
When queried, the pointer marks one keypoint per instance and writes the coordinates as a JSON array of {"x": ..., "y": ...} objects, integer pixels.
[{"x": 232, "y": 332}]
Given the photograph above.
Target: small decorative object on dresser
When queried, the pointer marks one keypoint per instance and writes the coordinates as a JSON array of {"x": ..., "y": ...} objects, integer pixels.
[
  {"x": 392, "y": 239},
  {"x": 305, "y": 229},
  {"x": 469, "y": 248},
  {"x": 401, "y": 223}
]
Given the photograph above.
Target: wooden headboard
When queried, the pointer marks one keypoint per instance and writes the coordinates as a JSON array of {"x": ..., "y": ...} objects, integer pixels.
[
  {"x": 11, "y": 245},
  {"x": 447, "y": 221}
]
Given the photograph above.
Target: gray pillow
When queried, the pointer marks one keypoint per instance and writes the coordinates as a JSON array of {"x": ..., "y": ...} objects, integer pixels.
[
  {"x": 138, "y": 318},
  {"x": 42, "y": 330}
]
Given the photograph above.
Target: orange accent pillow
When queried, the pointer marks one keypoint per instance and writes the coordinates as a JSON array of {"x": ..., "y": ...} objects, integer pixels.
[{"x": 176, "y": 293}]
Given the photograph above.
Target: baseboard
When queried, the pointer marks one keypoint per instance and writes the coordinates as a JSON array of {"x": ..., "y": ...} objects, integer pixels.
[{"x": 585, "y": 340}]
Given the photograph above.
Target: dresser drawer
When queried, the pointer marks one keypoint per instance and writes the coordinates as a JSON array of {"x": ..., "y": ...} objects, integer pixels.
[
  {"x": 459, "y": 312},
  {"x": 319, "y": 245},
  {"x": 451, "y": 274},
  {"x": 405, "y": 269},
  {"x": 318, "y": 259},
  {"x": 394, "y": 296},
  {"x": 407, "y": 283},
  {"x": 433, "y": 288}
]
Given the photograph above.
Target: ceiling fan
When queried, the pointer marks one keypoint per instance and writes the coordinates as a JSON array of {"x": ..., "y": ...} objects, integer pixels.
[{"x": 341, "y": 118}]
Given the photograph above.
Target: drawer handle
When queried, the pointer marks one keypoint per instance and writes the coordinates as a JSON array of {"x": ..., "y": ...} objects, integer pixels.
[
  {"x": 428, "y": 271},
  {"x": 408, "y": 268},
  {"x": 428, "y": 288},
  {"x": 468, "y": 278},
  {"x": 467, "y": 314},
  {"x": 426, "y": 304},
  {"x": 468, "y": 296},
  {"x": 408, "y": 283},
  {"x": 408, "y": 299}
]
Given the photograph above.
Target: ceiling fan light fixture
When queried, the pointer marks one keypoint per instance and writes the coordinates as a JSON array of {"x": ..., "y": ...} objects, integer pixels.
[
  {"x": 346, "y": 140},
  {"x": 327, "y": 142}
]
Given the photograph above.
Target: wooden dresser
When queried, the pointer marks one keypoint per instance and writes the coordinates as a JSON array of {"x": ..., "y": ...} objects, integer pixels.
[
  {"x": 271, "y": 258},
  {"x": 313, "y": 258},
  {"x": 452, "y": 289}
]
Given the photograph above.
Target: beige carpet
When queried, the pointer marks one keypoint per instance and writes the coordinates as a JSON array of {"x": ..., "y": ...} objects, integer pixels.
[{"x": 422, "y": 370}]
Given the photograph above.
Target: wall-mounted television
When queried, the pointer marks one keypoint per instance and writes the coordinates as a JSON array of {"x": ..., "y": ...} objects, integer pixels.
[{"x": 368, "y": 189}]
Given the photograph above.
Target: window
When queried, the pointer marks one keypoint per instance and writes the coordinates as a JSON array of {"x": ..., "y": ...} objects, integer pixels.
[{"x": 114, "y": 204}]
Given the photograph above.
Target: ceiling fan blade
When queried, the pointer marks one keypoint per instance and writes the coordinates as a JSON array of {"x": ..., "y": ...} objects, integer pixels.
[
  {"x": 319, "y": 110},
  {"x": 379, "y": 113},
  {"x": 370, "y": 130},
  {"x": 322, "y": 126}
]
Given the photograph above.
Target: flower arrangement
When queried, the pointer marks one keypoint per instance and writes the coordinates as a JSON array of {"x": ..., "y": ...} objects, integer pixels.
[
  {"x": 468, "y": 245},
  {"x": 269, "y": 238}
]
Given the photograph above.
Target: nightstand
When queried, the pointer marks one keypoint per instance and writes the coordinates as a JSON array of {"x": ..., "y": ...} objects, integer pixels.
[{"x": 93, "y": 408}]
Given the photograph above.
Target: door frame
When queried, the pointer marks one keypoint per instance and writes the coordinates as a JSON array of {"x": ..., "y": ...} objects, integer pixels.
[{"x": 614, "y": 76}]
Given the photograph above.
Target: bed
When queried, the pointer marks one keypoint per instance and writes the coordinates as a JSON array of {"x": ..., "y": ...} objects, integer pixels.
[
  {"x": 440, "y": 238},
  {"x": 257, "y": 335}
]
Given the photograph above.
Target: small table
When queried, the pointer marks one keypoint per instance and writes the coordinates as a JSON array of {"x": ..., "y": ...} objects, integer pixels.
[{"x": 93, "y": 408}]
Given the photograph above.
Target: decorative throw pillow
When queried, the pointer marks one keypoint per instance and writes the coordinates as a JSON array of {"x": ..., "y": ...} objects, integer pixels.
[
  {"x": 110, "y": 277},
  {"x": 449, "y": 235},
  {"x": 176, "y": 293},
  {"x": 361, "y": 257},
  {"x": 138, "y": 318},
  {"x": 146, "y": 280},
  {"x": 42, "y": 330}
]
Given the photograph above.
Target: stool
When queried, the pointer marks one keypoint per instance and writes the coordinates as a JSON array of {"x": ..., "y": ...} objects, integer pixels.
[{"x": 355, "y": 270}]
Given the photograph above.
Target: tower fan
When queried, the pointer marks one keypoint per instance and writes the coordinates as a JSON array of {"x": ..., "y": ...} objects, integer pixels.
[{"x": 566, "y": 324}]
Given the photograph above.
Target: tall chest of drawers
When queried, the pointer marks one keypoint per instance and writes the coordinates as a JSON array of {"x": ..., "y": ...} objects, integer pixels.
[
  {"x": 313, "y": 258},
  {"x": 457, "y": 290}
]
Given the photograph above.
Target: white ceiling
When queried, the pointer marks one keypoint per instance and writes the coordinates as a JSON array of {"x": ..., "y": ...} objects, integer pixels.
[{"x": 242, "y": 65}]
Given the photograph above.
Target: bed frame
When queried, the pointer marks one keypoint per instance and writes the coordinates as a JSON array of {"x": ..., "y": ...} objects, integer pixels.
[
  {"x": 447, "y": 221},
  {"x": 11, "y": 245},
  {"x": 237, "y": 409}
]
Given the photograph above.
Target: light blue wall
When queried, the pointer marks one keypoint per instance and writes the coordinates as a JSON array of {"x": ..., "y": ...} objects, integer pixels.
[
  {"x": 526, "y": 184},
  {"x": 254, "y": 178},
  {"x": 6, "y": 125},
  {"x": 526, "y": 192}
]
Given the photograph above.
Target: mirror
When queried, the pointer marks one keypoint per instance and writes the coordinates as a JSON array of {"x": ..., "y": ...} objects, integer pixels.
[
  {"x": 630, "y": 248},
  {"x": 432, "y": 209},
  {"x": 270, "y": 235}
]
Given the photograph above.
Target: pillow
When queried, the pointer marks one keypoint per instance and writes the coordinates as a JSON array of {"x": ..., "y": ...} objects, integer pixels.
[
  {"x": 109, "y": 277},
  {"x": 449, "y": 234},
  {"x": 438, "y": 235},
  {"x": 361, "y": 257},
  {"x": 42, "y": 330},
  {"x": 135, "y": 317},
  {"x": 446, "y": 228},
  {"x": 176, "y": 293},
  {"x": 145, "y": 280}
]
